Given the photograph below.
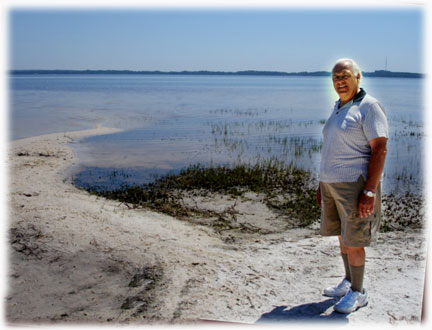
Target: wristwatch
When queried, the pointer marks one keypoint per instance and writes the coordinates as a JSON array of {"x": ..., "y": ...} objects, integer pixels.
[{"x": 369, "y": 193}]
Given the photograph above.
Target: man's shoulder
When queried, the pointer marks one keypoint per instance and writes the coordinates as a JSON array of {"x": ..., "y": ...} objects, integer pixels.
[
  {"x": 370, "y": 103},
  {"x": 369, "y": 100}
]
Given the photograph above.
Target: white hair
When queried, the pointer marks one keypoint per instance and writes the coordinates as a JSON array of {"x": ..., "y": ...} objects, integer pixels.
[{"x": 354, "y": 66}]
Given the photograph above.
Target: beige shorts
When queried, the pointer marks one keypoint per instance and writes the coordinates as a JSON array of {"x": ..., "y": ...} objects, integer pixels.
[{"x": 339, "y": 215}]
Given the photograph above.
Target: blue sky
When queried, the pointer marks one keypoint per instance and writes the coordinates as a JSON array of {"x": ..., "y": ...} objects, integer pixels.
[{"x": 284, "y": 39}]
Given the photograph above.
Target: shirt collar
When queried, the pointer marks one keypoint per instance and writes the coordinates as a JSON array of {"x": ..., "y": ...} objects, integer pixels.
[{"x": 357, "y": 98}]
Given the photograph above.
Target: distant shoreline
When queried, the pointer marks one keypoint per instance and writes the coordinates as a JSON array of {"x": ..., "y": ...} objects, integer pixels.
[{"x": 376, "y": 73}]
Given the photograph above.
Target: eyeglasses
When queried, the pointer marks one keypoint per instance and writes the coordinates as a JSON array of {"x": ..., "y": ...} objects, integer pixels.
[{"x": 343, "y": 77}]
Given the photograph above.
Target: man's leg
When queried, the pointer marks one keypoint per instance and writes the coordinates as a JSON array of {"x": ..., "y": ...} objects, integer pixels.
[
  {"x": 344, "y": 255},
  {"x": 356, "y": 260}
]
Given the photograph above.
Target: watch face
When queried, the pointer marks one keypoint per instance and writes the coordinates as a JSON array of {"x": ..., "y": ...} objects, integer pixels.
[{"x": 368, "y": 193}]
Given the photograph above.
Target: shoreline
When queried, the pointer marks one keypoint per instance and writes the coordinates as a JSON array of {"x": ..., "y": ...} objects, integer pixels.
[
  {"x": 376, "y": 73},
  {"x": 78, "y": 258}
]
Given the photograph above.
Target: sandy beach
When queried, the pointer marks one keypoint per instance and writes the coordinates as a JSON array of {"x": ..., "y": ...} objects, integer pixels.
[{"x": 74, "y": 258}]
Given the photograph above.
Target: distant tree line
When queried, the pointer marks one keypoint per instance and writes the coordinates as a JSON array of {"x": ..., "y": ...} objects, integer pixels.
[{"x": 376, "y": 73}]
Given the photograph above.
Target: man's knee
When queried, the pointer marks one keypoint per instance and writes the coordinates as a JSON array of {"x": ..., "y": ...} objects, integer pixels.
[
  {"x": 351, "y": 250},
  {"x": 356, "y": 255},
  {"x": 342, "y": 246},
  {"x": 354, "y": 250}
]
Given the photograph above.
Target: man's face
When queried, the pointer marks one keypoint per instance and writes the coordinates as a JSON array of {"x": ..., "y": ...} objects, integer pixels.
[{"x": 345, "y": 83}]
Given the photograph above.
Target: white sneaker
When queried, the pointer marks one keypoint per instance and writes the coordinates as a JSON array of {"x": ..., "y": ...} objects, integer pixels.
[
  {"x": 339, "y": 290},
  {"x": 351, "y": 302}
]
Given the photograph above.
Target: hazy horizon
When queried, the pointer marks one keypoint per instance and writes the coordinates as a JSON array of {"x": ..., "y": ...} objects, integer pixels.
[{"x": 202, "y": 70}]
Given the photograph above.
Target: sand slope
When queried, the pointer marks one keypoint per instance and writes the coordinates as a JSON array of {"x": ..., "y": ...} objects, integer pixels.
[{"x": 78, "y": 258}]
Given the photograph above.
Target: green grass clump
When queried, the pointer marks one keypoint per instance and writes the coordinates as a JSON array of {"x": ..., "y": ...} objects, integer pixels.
[{"x": 269, "y": 178}]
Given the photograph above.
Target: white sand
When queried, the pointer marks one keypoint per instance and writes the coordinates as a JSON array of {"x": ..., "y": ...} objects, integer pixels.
[{"x": 72, "y": 258}]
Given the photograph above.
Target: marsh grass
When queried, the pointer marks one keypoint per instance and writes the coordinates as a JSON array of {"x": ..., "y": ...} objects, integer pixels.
[
  {"x": 402, "y": 212},
  {"x": 269, "y": 178}
]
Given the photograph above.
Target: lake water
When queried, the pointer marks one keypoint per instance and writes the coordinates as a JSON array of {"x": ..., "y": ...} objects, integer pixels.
[{"x": 172, "y": 121}]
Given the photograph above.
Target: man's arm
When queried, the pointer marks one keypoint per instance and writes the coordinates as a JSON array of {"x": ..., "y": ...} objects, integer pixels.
[{"x": 376, "y": 167}]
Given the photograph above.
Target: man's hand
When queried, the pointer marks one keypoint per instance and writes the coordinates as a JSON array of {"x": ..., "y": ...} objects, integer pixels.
[
  {"x": 365, "y": 206},
  {"x": 376, "y": 166},
  {"x": 318, "y": 196}
]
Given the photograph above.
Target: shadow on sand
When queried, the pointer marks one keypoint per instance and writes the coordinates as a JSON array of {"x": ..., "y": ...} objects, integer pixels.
[{"x": 304, "y": 313}]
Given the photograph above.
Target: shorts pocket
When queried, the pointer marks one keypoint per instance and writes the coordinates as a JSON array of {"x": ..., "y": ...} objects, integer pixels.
[{"x": 358, "y": 230}]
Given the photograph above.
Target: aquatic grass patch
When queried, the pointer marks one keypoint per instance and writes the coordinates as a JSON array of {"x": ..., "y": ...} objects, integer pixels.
[
  {"x": 287, "y": 191},
  {"x": 402, "y": 212},
  {"x": 294, "y": 187}
]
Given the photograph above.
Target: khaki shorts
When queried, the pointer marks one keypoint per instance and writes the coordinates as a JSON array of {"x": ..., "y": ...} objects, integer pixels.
[{"x": 339, "y": 215}]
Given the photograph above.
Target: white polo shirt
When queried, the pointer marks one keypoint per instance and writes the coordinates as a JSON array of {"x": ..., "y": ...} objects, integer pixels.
[{"x": 346, "y": 151}]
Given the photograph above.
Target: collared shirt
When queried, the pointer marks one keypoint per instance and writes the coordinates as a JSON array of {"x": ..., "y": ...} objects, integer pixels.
[{"x": 346, "y": 151}]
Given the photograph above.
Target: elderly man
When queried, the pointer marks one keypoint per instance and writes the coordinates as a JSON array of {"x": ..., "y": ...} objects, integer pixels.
[{"x": 353, "y": 156}]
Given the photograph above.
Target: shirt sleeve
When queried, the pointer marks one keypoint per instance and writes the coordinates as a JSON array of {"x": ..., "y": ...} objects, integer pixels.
[{"x": 375, "y": 123}]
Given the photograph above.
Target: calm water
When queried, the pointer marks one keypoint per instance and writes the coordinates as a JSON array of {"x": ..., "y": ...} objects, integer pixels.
[{"x": 170, "y": 122}]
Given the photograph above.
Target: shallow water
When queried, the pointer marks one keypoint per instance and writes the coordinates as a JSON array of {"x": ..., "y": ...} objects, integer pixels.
[{"x": 171, "y": 122}]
